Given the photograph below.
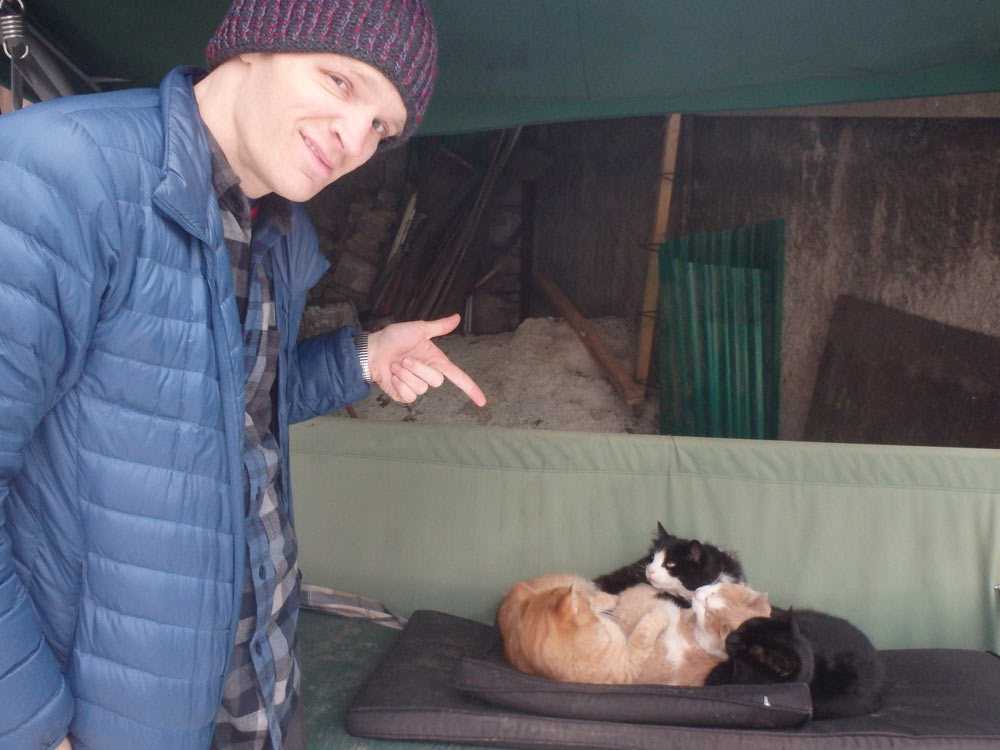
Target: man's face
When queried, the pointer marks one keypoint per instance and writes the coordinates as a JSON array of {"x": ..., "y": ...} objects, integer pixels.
[{"x": 305, "y": 119}]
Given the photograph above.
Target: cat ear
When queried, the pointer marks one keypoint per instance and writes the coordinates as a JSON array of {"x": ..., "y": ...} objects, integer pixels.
[
  {"x": 521, "y": 591},
  {"x": 793, "y": 621},
  {"x": 568, "y": 601},
  {"x": 695, "y": 551},
  {"x": 662, "y": 531}
]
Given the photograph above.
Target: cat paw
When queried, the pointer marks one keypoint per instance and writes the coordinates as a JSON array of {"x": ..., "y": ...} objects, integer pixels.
[
  {"x": 657, "y": 618},
  {"x": 603, "y": 600}
]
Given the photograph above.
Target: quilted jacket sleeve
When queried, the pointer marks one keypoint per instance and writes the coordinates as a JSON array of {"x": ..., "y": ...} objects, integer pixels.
[
  {"x": 329, "y": 375},
  {"x": 54, "y": 255},
  {"x": 324, "y": 372}
]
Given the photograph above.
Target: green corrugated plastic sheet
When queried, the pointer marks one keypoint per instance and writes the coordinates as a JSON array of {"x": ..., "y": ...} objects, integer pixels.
[{"x": 720, "y": 332}]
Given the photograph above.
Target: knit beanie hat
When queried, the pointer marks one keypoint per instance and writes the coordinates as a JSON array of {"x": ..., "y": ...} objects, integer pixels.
[{"x": 394, "y": 36}]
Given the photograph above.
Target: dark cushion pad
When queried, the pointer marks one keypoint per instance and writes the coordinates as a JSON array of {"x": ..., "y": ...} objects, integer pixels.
[
  {"x": 935, "y": 698},
  {"x": 750, "y": 706}
]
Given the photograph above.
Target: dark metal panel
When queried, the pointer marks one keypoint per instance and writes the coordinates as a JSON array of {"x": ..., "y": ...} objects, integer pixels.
[{"x": 889, "y": 377}]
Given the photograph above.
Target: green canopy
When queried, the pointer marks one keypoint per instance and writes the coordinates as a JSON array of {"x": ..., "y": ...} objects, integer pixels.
[{"x": 508, "y": 62}]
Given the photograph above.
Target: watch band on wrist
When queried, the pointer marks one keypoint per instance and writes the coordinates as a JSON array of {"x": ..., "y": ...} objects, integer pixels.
[{"x": 361, "y": 344}]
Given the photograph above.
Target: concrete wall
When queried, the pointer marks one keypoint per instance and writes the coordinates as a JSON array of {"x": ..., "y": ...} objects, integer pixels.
[
  {"x": 898, "y": 211},
  {"x": 901, "y": 211}
]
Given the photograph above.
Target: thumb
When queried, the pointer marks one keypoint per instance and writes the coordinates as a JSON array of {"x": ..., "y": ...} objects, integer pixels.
[{"x": 441, "y": 326}]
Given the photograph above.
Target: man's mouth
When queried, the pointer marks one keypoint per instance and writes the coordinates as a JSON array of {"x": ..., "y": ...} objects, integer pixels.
[{"x": 320, "y": 157}]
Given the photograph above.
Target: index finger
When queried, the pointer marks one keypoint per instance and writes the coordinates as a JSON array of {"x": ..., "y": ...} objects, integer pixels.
[{"x": 461, "y": 379}]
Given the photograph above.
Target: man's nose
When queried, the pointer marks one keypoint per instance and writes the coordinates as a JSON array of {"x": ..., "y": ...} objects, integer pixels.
[{"x": 354, "y": 131}]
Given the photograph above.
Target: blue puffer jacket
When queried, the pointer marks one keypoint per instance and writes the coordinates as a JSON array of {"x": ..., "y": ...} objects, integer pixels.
[{"x": 121, "y": 420}]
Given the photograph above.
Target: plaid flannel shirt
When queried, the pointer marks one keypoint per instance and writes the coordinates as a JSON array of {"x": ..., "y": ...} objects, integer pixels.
[{"x": 261, "y": 692}]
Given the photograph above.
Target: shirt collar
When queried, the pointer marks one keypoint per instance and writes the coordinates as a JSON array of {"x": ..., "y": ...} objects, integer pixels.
[{"x": 231, "y": 196}]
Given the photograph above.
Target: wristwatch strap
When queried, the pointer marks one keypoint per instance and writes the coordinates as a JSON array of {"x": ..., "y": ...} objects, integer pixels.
[{"x": 361, "y": 344}]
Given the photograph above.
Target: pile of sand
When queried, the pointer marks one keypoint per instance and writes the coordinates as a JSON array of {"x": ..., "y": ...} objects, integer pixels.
[{"x": 540, "y": 376}]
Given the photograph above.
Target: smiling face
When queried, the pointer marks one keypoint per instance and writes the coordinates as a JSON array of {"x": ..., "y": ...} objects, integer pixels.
[{"x": 302, "y": 120}]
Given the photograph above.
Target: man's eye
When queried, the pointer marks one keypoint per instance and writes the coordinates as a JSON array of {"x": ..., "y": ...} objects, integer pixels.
[
  {"x": 380, "y": 127},
  {"x": 339, "y": 82}
]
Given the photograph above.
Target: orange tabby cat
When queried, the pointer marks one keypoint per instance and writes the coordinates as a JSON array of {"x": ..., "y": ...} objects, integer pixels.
[
  {"x": 694, "y": 641},
  {"x": 560, "y": 626}
]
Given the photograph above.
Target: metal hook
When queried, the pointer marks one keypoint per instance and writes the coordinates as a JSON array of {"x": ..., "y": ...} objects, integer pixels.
[{"x": 12, "y": 30}]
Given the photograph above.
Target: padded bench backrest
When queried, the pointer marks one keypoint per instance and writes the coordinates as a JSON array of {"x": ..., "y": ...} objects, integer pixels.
[{"x": 903, "y": 541}]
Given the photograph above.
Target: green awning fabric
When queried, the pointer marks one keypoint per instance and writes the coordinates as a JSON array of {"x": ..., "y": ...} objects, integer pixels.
[{"x": 510, "y": 62}]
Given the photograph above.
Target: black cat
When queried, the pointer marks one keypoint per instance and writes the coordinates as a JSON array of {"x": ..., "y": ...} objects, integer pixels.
[
  {"x": 841, "y": 666},
  {"x": 677, "y": 567}
]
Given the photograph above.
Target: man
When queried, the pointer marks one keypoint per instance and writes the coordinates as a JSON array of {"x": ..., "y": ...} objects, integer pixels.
[{"x": 154, "y": 275}]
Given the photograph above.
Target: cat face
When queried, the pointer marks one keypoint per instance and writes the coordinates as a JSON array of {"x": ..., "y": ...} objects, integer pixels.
[
  {"x": 685, "y": 566},
  {"x": 721, "y": 608},
  {"x": 668, "y": 569},
  {"x": 680, "y": 566},
  {"x": 766, "y": 650}
]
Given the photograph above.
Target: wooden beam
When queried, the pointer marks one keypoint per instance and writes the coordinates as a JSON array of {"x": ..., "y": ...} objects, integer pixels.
[
  {"x": 529, "y": 193},
  {"x": 632, "y": 392},
  {"x": 650, "y": 298}
]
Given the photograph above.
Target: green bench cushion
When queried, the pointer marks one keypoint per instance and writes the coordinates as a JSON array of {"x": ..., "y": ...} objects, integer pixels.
[{"x": 902, "y": 541}]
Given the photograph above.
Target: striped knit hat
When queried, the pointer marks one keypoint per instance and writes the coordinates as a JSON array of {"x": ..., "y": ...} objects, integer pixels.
[{"x": 394, "y": 36}]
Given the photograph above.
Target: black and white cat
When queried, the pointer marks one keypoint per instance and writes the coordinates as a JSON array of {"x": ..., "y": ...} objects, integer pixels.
[
  {"x": 839, "y": 663},
  {"x": 676, "y": 567}
]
